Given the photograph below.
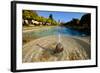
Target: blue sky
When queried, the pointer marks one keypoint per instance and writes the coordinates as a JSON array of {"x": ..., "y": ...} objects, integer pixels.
[{"x": 62, "y": 16}]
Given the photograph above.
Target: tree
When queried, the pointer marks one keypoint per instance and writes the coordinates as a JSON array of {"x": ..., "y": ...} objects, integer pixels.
[
  {"x": 29, "y": 14},
  {"x": 51, "y": 16}
]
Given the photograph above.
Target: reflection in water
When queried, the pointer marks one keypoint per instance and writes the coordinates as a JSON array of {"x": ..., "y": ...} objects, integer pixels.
[{"x": 53, "y": 31}]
